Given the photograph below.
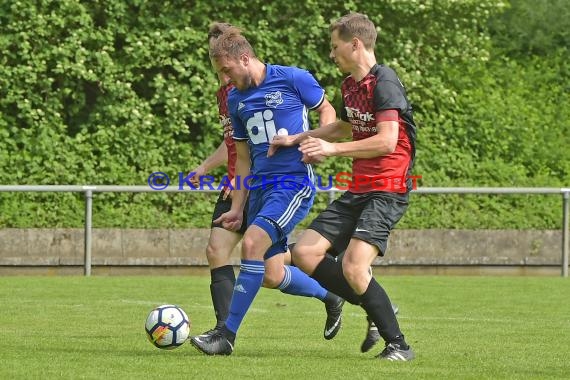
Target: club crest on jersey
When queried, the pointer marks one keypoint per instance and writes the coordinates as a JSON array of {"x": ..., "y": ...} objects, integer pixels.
[{"x": 273, "y": 99}]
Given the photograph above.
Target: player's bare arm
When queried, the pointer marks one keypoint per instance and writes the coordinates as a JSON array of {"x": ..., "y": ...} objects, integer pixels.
[
  {"x": 218, "y": 158},
  {"x": 383, "y": 143},
  {"x": 327, "y": 114},
  {"x": 233, "y": 219},
  {"x": 337, "y": 130}
]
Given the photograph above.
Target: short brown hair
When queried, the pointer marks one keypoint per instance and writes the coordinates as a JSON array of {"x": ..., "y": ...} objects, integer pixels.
[
  {"x": 231, "y": 43},
  {"x": 356, "y": 25}
]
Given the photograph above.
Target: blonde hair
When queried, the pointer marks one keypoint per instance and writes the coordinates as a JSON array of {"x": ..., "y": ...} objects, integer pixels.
[{"x": 231, "y": 43}]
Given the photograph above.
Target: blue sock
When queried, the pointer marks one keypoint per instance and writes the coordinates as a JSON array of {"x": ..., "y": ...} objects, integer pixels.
[
  {"x": 247, "y": 285},
  {"x": 298, "y": 283}
]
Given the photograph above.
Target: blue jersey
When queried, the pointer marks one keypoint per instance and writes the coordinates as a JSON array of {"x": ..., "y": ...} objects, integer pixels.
[{"x": 279, "y": 105}]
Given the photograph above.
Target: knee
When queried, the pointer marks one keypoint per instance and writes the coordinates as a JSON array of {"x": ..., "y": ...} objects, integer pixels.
[
  {"x": 301, "y": 256},
  {"x": 217, "y": 253},
  {"x": 212, "y": 251},
  {"x": 271, "y": 281},
  {"x": 273, "y": 276},
  {"x": 351, "y": 272},
  {"x": 248, "y": 247}
]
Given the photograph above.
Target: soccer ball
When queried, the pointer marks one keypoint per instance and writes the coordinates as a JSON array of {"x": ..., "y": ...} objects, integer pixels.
[{"x": 167, "y": 327}]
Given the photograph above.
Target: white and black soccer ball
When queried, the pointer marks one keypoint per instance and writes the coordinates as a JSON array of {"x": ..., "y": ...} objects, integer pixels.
[{"x": 167, "y": 327}]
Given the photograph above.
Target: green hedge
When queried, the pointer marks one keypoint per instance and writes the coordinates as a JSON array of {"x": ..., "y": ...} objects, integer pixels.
[{"x": 108, "y": 92}]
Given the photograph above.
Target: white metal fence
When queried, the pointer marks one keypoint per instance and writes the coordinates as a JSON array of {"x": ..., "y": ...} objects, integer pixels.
[{"x": 89, "y": 190}]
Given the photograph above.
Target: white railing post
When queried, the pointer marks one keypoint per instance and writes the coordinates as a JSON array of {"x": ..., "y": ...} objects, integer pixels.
[
  {"x": 565, "y": 232},
  {"x": 331, "y": 195},
  {"x": 88, "y": 230}
]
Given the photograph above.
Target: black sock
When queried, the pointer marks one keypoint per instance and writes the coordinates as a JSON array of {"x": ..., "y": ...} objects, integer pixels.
[
  {"x": 329, "y": 274},
  {"x": 379, "y": 308},
  {"x": 229, "y": 334},
  {"x": 330, "y": 297},
  {"x": 221, "y": 289}
]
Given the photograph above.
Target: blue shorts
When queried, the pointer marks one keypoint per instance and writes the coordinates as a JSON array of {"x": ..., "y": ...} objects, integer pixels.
[{"x": 277, "y": 211}]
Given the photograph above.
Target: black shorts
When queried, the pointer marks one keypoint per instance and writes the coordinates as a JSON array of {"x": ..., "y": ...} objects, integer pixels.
[
  {"x": 369, "y": 217},
  {"x": 224, "y": 205}
]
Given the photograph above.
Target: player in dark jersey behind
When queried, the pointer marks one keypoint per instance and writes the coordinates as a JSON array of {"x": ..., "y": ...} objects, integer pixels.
[
  {"x": 225, "y": 237},
  {"x": 377, "y": 115}
]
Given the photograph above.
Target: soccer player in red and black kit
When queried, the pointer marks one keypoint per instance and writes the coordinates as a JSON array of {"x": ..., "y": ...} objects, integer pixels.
[
  {"x": 222, "y": 241},
  {"x": 377, "y": 115}
]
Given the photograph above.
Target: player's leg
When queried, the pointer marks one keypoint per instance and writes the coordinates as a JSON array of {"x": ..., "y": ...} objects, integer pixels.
[
  {"x": 379, "y": 215},
  {"x": 310, "y": 250},
  {"x": 375, "y": 301},
  {"x": 220, "y": 246},
  {"x": 287, "y": 206},
  {"x": 291, "y": 280},
  {"x": 372, "y": 335},
  {"x": 255, "y": 243},
  {"x": 330, "y": 231},
  {"x": 312, "y": 254},
  {"x": 274, "y": 271},
  {"x": 287, "y": 255}
]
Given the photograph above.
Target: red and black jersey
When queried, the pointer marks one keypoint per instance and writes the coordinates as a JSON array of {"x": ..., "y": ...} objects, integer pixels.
[
  {"x": 222, "y": 96},
  {"x": 363, "y": 102}
]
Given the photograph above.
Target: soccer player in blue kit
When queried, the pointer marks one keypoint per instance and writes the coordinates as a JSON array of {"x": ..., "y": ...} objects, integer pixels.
[{"x": 267, "y": 100}]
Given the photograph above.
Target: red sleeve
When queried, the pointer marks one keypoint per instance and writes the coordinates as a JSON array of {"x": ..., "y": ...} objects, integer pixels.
[{"x": 387, "y": 115}]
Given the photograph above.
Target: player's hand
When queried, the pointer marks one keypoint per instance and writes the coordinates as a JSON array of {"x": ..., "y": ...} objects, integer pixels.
[
  {"x": 230, "y": 220},
  {"x": 316, "y": 159},
  {"x": 195, "y": 179},
  {"x": 280, "y": 140},
  {"x": 313, "y": 148}
]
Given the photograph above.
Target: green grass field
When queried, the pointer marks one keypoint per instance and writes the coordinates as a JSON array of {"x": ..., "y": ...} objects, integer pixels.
[{"x": 460, "y": 327}]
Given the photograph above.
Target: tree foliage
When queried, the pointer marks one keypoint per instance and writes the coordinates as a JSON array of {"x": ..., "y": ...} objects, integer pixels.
[
  {"x": 530, "y": 27},
  {"x": 109, "y": 91}
]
